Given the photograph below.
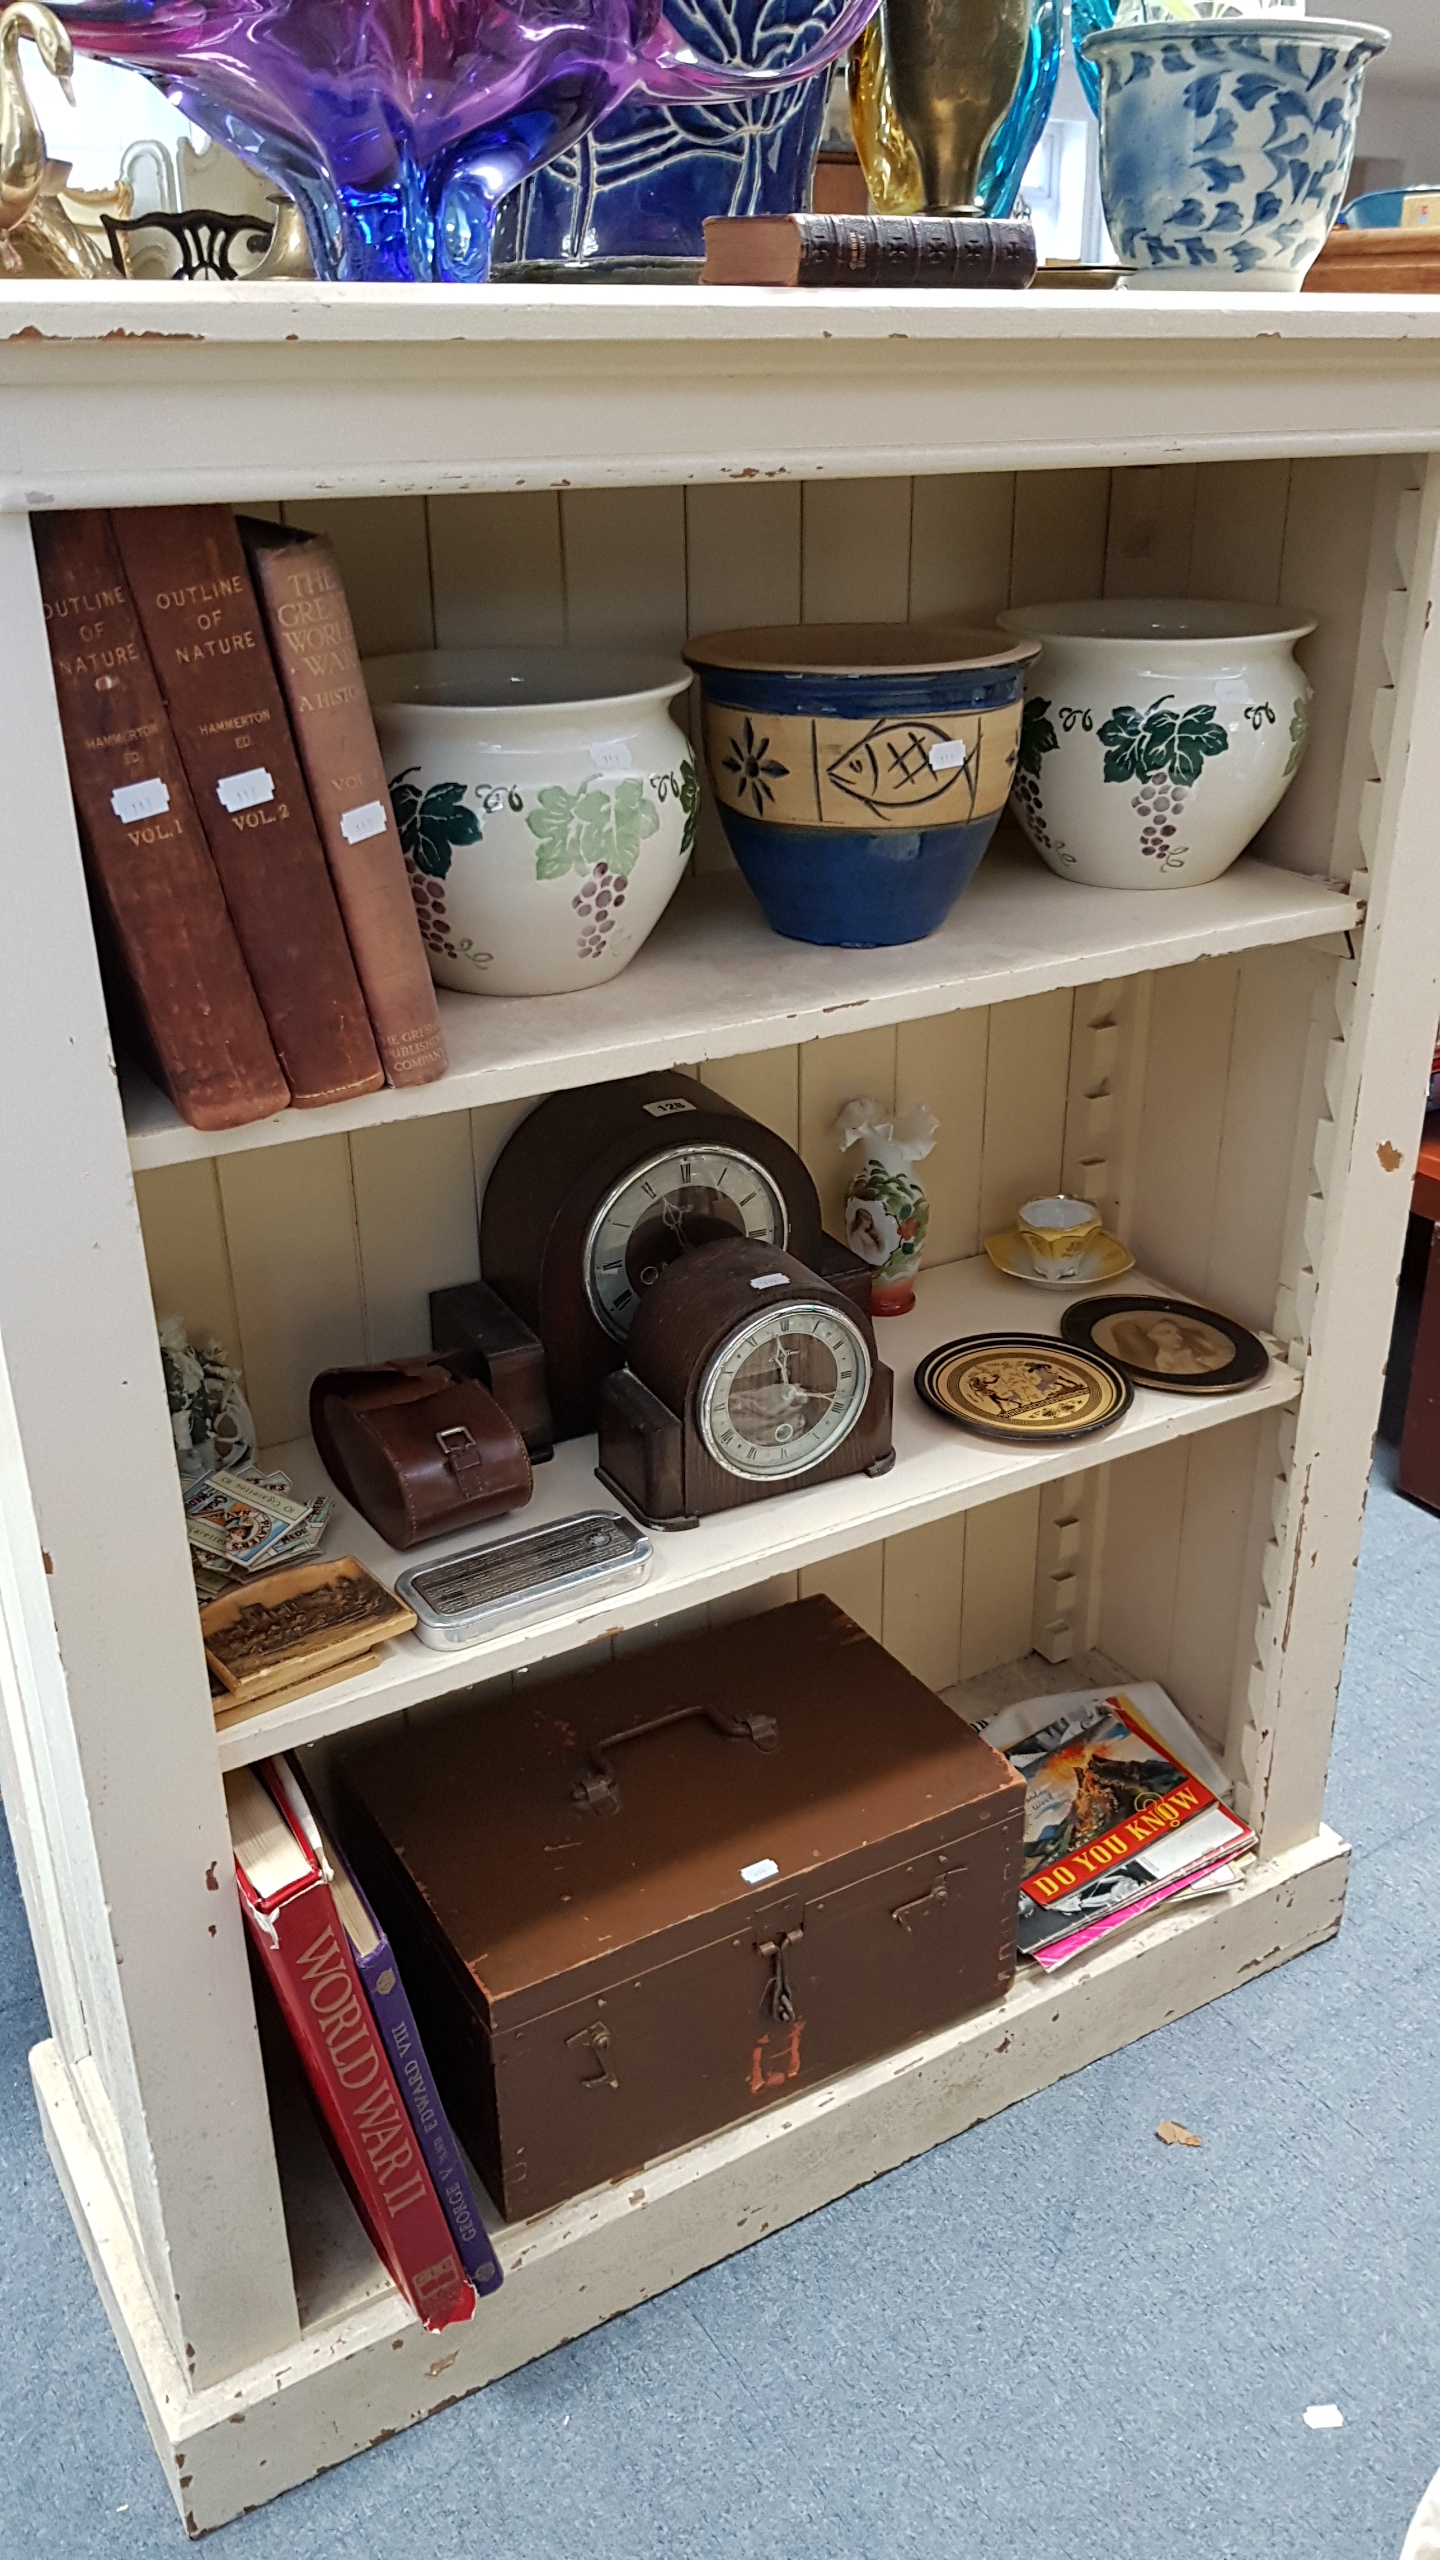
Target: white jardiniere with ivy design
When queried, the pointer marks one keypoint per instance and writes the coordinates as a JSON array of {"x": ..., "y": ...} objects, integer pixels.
[
  {"x": 546, "y": 801},
  {"x": 1158, "y": 736}
]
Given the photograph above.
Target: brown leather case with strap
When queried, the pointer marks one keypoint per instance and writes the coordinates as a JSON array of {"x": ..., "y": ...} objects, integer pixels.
[{"x": 418, "y": 1451}]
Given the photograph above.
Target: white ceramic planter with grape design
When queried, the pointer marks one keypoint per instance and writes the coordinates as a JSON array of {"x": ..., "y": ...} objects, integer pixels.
[
  {"x": 546, "y": 802},
  {"x": 1158, "y": 736}
]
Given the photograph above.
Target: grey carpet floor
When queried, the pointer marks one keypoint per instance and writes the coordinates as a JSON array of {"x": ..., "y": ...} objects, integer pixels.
[{"x": 1052, "y": 2337}]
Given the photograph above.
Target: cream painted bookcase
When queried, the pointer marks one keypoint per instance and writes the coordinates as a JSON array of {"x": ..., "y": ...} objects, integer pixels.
[{"x": 1235, "y": 1072}]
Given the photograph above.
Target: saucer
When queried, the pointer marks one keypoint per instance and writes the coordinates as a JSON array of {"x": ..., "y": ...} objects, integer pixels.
[{"x": 1103, "y": 1258}]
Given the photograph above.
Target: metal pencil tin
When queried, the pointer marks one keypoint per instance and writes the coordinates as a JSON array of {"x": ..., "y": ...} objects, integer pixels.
[{"x": 489, "y": 1589}]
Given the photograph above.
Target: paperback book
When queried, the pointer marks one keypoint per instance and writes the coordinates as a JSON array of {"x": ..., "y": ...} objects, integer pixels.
[{"x": 1124, "y": 1810}]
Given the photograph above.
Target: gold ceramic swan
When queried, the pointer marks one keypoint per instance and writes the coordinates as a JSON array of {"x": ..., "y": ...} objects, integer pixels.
[{"x": 36, "y": 233}]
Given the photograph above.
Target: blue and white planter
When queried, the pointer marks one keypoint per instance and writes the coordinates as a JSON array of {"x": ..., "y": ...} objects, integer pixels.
[
  {"x": 1225, "y": 146},
  {"x": 860, "y": 769}
]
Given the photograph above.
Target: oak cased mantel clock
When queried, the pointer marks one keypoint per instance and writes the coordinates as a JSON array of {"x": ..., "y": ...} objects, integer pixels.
[
  {"x": 747, "y": 1375},
  {"x": 598, "y": 1192}
]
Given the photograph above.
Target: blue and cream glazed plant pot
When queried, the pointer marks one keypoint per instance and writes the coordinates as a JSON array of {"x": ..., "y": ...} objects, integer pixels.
[
  {"x": 1158, "y": 736},
  {"x": 1225, "y": 145},
  {"x": 860, "y": 768},
  {"x": 546, "y": 801}
]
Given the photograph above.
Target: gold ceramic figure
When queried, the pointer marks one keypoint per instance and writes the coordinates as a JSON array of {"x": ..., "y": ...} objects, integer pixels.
[
  {"x": 938, "y": 77},
  {"x": 37, "y": 235}
]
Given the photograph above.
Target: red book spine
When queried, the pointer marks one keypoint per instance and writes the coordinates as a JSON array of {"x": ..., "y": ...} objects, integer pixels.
[{"x": 304, "y": 1950}]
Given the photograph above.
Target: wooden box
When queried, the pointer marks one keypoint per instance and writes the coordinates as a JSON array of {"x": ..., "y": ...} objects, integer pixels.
[
  {"x": 1399, "y": 261},
  {"x": 667, "y": 1892}
]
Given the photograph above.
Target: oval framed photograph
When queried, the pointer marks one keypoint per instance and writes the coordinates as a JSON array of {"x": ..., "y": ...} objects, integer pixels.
[
  {"x": 1167, "y": 1343},
  {"x": 1023, "y": 1387}
]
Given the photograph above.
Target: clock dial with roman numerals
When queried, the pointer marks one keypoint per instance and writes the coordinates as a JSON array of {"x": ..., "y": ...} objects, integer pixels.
[
  {"x": 669, "y": 1205},
  {"x": 783, "y": 1390}
]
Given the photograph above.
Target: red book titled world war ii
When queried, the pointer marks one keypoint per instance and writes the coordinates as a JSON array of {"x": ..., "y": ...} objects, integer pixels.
[
  {"x": 203, "y": 627},
  {"x": 297, "y": 1934}
]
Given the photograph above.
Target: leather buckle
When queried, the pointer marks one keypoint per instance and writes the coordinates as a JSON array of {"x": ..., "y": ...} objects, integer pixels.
[{"x": 462, "y": 1454}]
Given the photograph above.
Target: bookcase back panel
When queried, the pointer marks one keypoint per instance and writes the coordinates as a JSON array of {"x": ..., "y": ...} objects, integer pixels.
[{"x": 300, "y": 1257}]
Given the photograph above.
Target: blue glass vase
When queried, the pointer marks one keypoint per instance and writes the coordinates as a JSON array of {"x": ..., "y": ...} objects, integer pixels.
[{"x": 1085, "y": 17}]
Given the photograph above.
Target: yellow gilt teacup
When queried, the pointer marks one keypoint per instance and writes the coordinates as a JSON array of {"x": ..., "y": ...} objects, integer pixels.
[{"x": 1056, "y": 1232}]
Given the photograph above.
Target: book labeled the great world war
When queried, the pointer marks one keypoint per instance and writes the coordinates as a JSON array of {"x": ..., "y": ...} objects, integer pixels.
[{"x": 1117, "y": 1818}]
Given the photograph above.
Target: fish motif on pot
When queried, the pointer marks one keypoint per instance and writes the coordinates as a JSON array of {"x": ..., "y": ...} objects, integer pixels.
[{"x": 905, "y": 764}]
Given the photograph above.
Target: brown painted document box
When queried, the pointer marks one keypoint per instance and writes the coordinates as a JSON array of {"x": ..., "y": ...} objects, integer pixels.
[{"x": 639, "y": 1903}]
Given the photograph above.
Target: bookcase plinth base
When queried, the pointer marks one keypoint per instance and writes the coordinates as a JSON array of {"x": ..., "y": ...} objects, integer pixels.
[{"x": 368, "y": 2369}]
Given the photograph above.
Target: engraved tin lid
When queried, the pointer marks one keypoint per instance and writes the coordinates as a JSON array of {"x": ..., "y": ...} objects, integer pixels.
[{"x": 858, "y": 648}]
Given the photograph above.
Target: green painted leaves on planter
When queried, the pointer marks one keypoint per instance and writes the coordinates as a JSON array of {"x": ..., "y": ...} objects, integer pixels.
[
  {"x": 574, "y": 830},
  {"x": 1143, "y": 746},
  {"x": 432, "y": 823},
  {"x": 1037, "y": 736}
]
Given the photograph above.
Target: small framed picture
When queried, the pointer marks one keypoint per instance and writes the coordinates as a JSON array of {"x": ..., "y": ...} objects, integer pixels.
[{"x": 1167, "y": 1343}]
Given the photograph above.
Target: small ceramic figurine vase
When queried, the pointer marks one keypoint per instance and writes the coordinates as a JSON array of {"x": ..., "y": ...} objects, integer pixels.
[
  {"x": 210, "y": 1420},
  {"x": 886, "y": 1209}
]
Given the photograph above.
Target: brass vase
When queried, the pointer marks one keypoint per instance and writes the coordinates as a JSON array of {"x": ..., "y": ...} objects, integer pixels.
[{"x": 930, "y": 82}]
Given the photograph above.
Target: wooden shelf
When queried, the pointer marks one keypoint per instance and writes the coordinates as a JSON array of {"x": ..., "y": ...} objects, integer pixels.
[
  {"x": 714, "y": 982},
  {"x": 576, "y": 386},
  {"x": 938, "y": 1470}
]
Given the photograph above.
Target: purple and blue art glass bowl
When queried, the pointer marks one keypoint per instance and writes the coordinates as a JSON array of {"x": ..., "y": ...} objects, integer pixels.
[
  {"x": 399, "y": 125},
  {"x": 860, "y": 769}
]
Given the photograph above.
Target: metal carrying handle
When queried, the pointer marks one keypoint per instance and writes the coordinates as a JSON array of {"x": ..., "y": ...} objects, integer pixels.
[
  {"x": 939, "y": 1892},
  {"x": 596, "y": 2041},
  {"x": 598, "y": 1791}
]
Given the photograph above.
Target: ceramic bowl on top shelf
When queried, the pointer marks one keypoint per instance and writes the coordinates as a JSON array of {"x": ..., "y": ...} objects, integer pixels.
[
  {"x": 546, "y": 802},
  {"x": 860, "y": 768},
  {"x": 1225, "y": 145},
  {"x": 1158, "y": 736}
]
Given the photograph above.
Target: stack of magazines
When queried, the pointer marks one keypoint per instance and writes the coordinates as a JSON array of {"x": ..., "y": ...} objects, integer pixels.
[{"x": 1124, "y": 1809}]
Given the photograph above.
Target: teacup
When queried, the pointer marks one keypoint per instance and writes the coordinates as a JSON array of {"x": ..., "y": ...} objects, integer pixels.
[{"x": 1055, "y": 1233}]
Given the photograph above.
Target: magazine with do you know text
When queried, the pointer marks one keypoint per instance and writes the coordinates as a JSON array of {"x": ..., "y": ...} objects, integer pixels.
[{"x": 1123, "y": 1810}]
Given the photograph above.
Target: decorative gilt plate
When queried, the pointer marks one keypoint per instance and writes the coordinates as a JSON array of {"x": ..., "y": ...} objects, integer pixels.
[
  {"x": 1167, "y": 1343},
  {"x": 1023, "y": 1387}
]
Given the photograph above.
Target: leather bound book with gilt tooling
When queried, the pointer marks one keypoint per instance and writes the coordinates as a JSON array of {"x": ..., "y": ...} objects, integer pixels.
[
  {"x": 302, "y": 597},
  {"x": 650, "y": 1899},
  {"x": 202, "y": 623},
  {"x": 899, "y": 249},
  {"x": 159, "y": 903}
]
